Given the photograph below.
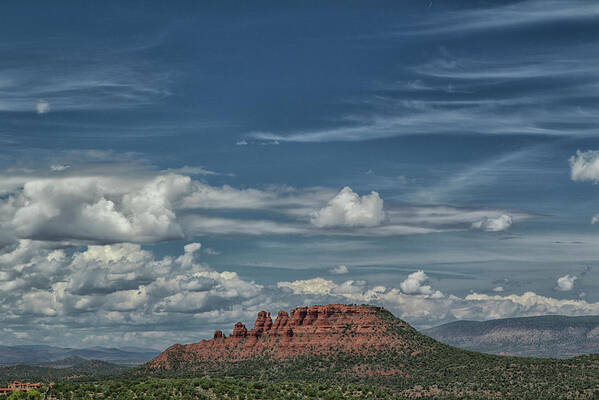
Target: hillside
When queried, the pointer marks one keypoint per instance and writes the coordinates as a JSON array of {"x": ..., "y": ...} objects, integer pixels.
[
  {"x": 545, "y": 336},
  {"x": 367, "y": 345},
  {"x": 38, "y": 354}
]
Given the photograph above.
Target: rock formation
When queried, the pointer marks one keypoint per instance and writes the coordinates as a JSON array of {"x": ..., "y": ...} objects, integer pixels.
[
  {"x": 240, "y": 331},
  {"x": 305, "y": 330}
]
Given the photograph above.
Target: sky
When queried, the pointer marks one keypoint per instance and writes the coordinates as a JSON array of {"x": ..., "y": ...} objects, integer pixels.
[{"x": 168, "y": 169}]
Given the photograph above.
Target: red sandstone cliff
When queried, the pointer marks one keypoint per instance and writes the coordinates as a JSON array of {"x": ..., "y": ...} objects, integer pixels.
[{"x": 305, "y": 330}]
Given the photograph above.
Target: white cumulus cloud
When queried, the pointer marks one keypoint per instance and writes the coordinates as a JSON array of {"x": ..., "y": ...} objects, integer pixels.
[
  {"x": 415, "y": 284},
  {"x": 99, "y": 209},
  {"x": 527, "y": 304},
  {"x": 339, "y": 270},
  {"x": 309, "y": 286},
  {"x": 422, "y": 305},
  {"x": 584, "y": 166},
  {"x": 127, "y": 294},
  {"x": 501, "y": 223},
  {"x": 42, "y": 107},
  {"x": 347, "y": 208},
  {"x": 566, "y": 283},
  {"x": 114, "y": 288}
]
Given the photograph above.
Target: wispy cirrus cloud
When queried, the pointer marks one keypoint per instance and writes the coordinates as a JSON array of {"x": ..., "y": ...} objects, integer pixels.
[
  {"x": 502, "y": 16},
  {"x": 546, "y": 115},
  {"x": 86, "y": 77},
  {"x": 522, "y": 89},
  {"x": 91, "y": 88}
]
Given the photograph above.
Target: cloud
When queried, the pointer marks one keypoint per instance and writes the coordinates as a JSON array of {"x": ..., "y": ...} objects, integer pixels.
[
  {"x": 527, "y": 304},
  {"x": 498, "y": 289},
  {"x": 360, "y": 291},
  {"x": 212, "y": 252},
  {"x": 269, "y": 142},
  {"x": 108, "y": 206},
  {"x": 473, "y": 176},
  {"x": 425, "y": 306},
  {"x": 584, "y": 166},
  {"x": 347, "y": 208},
  {"x": 339, "y": 270},
  {"x": 127, "y": 293},
  {"x": 499, "y": 224},
  {"x": 42, "y": 107},
  {"x": 125, "y": 252},
  {"x": 241, "y": 142},
  {"x": 114, "y": 288},
  {"x": 503, "y": 16},
  {"x": 103, "y": 209},
  {"x": 80, "y": 82},
  {"x": 90, "y": 204},
  {"x": 191, "y": 171},
  {"x": 309, "y": 286},
  {"x": 201, "y": 225},
  {"x": 414, "y": 284},
  {"x": 566, "y": 283},
  {"x": 192, "y": 248},
  {"x": 449, "y": 218},
  {"x": 226, "y": 197},
  {"x": 450, "y": 117},
  {"x": 473, "y": 92},
  {"x": 60, "y": 167}
]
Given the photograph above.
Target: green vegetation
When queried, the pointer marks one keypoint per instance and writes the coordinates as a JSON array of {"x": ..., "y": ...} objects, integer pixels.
[
  {"x": 22, "y": 395},
  {"x": 211, "y": 388},
  {"x": 445, "y": 374}
]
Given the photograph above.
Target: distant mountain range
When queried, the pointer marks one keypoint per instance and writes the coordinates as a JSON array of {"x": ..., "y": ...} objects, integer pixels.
[
  {"x": 47, "y": 354},
  {"x": 552, "y": 336},
  {"x": 72, "y": 367}
]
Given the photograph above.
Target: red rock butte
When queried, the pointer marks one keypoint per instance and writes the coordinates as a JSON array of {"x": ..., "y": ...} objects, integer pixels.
[{"x": 304, "y": 330}]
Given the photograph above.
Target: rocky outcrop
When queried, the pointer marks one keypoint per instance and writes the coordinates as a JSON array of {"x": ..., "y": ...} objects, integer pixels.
[
  {"x": 279, "y": 328},
  {"x": 240, "y": 331},
  {"x": 262, "y": 325},
  {"x": 218, "y": 335},
  {"x": 304, "y": 330}
]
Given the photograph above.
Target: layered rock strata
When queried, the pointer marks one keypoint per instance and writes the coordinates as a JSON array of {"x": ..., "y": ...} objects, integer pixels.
[{"x": 302, "y": 331}]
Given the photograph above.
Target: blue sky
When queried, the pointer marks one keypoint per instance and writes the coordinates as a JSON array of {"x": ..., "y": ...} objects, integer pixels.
[{"x": 436, "y": 158}]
